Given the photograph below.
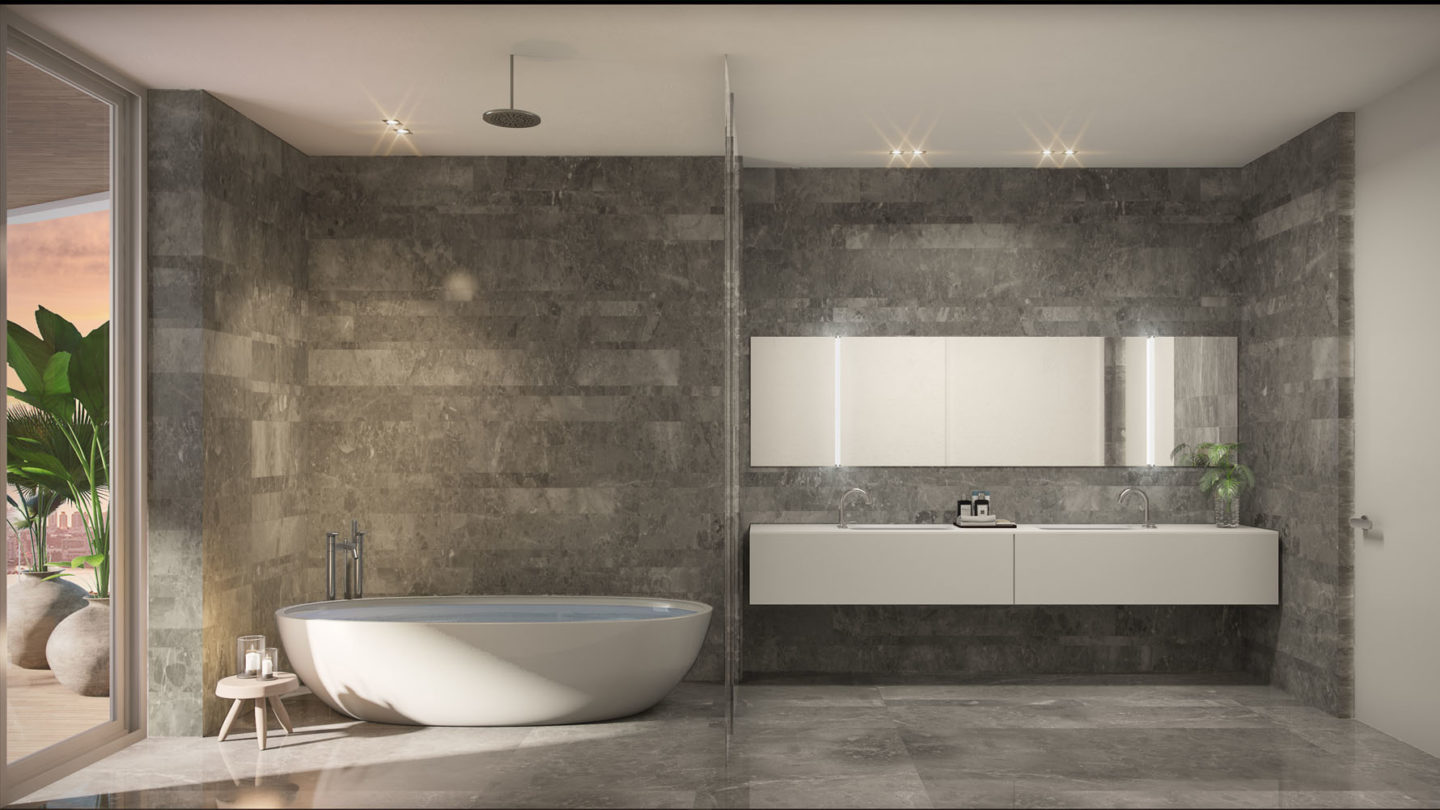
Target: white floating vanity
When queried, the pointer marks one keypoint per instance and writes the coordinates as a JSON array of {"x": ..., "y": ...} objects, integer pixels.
[{"x": 1070, "y": 564}]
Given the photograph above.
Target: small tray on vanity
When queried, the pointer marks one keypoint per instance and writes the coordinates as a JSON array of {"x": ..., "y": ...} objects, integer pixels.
[{"x": 999, "y": 523}]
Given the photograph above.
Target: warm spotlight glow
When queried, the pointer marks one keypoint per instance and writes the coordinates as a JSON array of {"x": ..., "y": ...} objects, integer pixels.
[
  {"x": 401, "y": 131},
  {"x": 1046, "y": 152},
  {"x": 896, "y": 152},
  {"x": 918, "y": 152},
  {"x": 392, "y": 122},
  {"x": 1070, "y": 152}
]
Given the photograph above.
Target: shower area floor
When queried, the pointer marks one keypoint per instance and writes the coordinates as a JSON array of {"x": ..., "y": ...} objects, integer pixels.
[{"x": 1061, "y": 744}]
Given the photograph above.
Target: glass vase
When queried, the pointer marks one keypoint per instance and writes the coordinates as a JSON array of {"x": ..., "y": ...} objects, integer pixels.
[
  {"x": 1227, "y": 511},
  {"x": 249, "y": 651}
]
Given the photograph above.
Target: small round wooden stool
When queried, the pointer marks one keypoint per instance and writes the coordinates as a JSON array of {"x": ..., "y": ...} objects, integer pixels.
[{"x": 261, "y": 692}]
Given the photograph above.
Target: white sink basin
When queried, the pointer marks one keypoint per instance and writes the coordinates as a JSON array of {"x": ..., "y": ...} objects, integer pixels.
[
  {"x": 1084, "y": 527},
  {"x": 902, "y": 527}
]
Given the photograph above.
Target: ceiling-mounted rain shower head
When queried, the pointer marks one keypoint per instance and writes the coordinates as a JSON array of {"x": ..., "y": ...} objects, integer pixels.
[{"x": 509, "y": 116}]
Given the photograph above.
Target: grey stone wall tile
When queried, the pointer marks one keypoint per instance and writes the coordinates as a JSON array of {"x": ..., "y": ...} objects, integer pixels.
[
  {"x": 1295, "y": 404},
  {"x": 535, "y": 341},
  {"x": 996, "y": 252}
]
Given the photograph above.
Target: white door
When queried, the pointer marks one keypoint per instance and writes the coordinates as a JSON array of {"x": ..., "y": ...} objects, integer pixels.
[{"x": 1397, "y": 396}]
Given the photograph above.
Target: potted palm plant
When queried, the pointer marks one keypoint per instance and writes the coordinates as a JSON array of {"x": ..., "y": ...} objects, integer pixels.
[
  {"x": 1225, "y": 477},
  {"x": 65, "y": 379},
  {"x": 36, "y": 602}
]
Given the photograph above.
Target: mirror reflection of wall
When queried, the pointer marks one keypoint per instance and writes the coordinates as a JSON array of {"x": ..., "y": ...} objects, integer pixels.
[
  {"x": 1025, "y": 402},
  {"x": 988, "y": 401}
]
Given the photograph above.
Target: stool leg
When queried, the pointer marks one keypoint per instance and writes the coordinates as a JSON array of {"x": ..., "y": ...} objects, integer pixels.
[
  {"x": 260, "y": 722},
  {"x": 282, "y": 715},
  {"x": 229, "y": 719}
]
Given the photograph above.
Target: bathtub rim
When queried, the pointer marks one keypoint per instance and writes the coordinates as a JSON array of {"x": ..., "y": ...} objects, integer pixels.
[{"x": 698, "y": 608}]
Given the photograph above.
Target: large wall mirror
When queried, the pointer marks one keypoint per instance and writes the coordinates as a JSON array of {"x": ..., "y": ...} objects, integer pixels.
[{"x": 987, "y": 401}]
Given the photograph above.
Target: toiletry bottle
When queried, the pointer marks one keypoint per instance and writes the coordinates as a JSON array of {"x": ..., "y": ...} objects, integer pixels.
[
  {"x": 982, "y": 503},
  {"x": 962, "y": 507}
]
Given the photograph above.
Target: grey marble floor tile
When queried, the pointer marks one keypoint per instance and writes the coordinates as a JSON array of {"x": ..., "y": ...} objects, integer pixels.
[
  {"x": 799, "y": 716},
  {"x": 1260, "y": 695},
  {"x": 1128, "y": 753},
  {"x": 770, "y": 695},
  {"x": 834, "y": 791},
  {"x": 1059, "y": 745},
  {"x": 1069, "y": 713},
  {"x": 971, "y": 793},
  {"x": 656, "y": 798},
  {"x": 819, "y": 751},
  {"x": 1099, "y": 694},
  {"x": 1353, "y": 799},
  {"x": 1191, "y": 798}
]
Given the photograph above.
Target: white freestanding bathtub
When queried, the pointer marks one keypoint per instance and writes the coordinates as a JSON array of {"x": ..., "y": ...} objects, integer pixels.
[{"x": 492, "y": 660}]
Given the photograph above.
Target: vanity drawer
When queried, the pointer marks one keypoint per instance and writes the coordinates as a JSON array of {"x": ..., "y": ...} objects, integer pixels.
[
  {"x": 830, "y": 566},
  {"x": 1203, "y": 566}
]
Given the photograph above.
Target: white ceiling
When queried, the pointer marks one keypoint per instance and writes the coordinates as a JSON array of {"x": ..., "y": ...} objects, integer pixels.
[{"x": 814, "y": 85}]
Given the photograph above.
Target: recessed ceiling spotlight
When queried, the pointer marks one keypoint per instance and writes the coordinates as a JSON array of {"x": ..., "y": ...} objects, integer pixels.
[
  {"x": 896, "y": 152},
  {"x": 1046, "y": 152},
  {"x": 392, "y": 122},
  {"x": 1069, "y": 151},
  {"x": 918, "y": 152},
  {"x": 401, "y": 131}
]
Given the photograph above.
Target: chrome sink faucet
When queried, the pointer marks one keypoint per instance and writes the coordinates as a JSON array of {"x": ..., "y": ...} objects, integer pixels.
[
  {"x": 1146, "y": 498},
  {"x": 846, "y": 498},
  {"x": 355, "y": 559}
]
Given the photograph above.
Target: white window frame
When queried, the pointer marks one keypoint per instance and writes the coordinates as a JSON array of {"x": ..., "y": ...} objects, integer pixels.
[{"x": 127, "y": 397}]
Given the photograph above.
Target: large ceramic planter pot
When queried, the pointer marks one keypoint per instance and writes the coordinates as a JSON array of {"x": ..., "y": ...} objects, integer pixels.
[
  {"x": 33, "y": 608},
  {"x": 79, "y": 650}
]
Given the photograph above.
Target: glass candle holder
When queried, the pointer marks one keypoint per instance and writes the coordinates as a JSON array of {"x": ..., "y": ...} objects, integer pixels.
[
  {"x": 269, "y": 663},
  {"x": 249, "y": 650}
]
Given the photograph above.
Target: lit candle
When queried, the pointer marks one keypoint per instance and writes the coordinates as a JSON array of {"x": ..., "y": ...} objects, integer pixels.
[{"x": 252, "y": 663}]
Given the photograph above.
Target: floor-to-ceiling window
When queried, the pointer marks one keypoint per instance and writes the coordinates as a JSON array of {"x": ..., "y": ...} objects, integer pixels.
[
  {"x": 72, "y": 664},
  {"x": 57, "y": 289}
]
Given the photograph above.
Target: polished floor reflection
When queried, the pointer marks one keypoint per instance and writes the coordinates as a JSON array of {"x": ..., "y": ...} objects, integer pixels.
[{"x": 1055, "y": 745}]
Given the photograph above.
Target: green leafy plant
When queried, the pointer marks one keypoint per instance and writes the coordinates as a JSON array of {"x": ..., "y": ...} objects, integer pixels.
[
  {"x": 1225, "y": 476},
  {"x": 65, "y": 447},
  {"x": 35, "y": 505}
]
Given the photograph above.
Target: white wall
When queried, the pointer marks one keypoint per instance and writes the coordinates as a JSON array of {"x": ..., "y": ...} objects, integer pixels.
[{"x": 1397, "y": 391}]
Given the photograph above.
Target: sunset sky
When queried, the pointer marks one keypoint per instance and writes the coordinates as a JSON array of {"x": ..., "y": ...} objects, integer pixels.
[{"x": 62, "y": 264}]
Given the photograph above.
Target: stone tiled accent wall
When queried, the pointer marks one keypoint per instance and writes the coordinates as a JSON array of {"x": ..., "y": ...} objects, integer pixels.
[
  {"x": 227, "y": 253},
  {"x": 986, "y": 252},
  {"x": 516, "y": 374},
  {"x": 176, "y": 268},
  {"x": 1296, "y": 405},
  {"x": 511, "y": 370}
]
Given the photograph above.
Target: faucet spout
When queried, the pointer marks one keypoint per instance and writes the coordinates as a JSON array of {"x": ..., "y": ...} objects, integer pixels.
[
  {"x": 353, "y": 560},
  {"x": 1145, "y": 498}
]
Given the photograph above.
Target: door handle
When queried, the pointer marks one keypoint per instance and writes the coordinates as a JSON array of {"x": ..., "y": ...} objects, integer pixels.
[{"x": 1363, "y": 523}]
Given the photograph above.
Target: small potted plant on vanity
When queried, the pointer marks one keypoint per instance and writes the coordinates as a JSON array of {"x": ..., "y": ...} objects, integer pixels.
[
  {"x": 65, "y": 381},
  {"x": 1225, "y": 477}
]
